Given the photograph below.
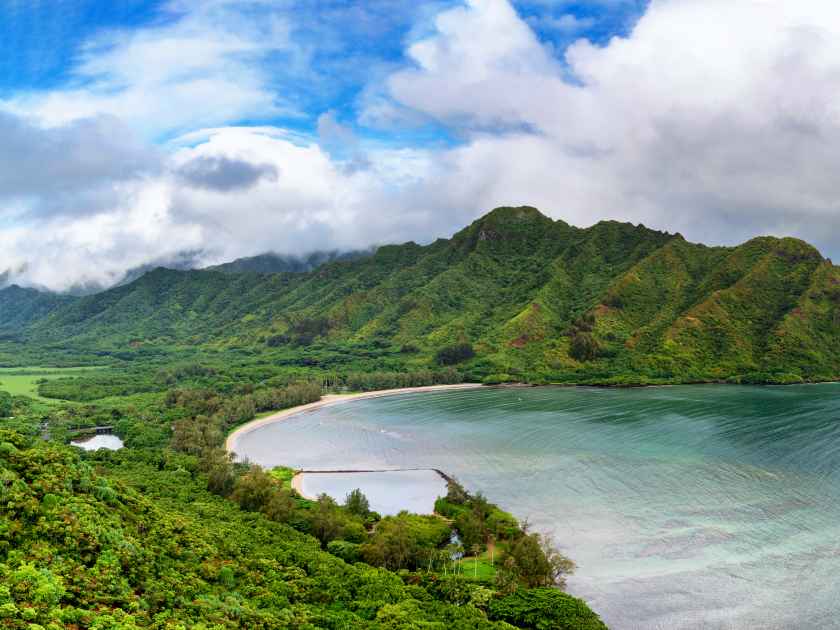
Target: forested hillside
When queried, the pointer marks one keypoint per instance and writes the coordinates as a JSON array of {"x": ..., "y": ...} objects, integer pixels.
[
  {"x": 514, "y": 296},
  {"x": 170, "y": 532},
  {"x": 80, "y": 547},
  {"x": 20, "y": 307}
]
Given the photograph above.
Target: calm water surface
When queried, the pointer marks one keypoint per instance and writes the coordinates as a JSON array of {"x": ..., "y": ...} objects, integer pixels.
[
  {"x": 388, "y": 492},
  {"x": 95, "y": 442},
  {"x": 684, "y": 507}
]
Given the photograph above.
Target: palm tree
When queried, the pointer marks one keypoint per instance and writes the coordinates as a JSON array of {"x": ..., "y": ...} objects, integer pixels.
[{"x": 475, "y": 549}]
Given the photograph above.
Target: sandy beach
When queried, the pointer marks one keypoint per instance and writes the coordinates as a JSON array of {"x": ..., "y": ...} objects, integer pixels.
[
  {"x": 332, "y": 399},
  {"x": 297, "y": 485}
]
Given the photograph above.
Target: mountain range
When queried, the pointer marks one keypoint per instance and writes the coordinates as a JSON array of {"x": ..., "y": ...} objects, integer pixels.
[
  {"x": 279, "y": 263},
  {"x": 533, "y": 298}
]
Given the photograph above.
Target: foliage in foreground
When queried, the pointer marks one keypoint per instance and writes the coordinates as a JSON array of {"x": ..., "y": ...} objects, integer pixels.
[
  {"x": 183, "y": 537},
  {"x": 545, "y": 609},
  {"x": 80, "y": 546}
]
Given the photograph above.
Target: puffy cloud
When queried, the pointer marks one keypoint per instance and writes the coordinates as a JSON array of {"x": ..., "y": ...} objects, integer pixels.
[
  {"x": 42, "y": 166},
  {"x": 566, "y": 24},
  {"x": 315, "y": 203},
  {"x": 717, "y": 118},
  {"x": 199, "y": 65},
  {"x": 65, "y": 251}
]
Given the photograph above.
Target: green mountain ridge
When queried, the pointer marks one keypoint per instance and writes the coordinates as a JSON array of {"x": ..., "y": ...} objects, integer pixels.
[
  {"x": 538, "y": 300},
  {"x": 271, "y": 262},
  {"x": 21, "y": 306}
]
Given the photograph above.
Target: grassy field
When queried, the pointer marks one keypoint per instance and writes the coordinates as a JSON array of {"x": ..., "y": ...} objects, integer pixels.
[
  {"x": 23, "y": 381},
  {"x": 283, "y": 475},
  {"x": 481, "y": 569}
]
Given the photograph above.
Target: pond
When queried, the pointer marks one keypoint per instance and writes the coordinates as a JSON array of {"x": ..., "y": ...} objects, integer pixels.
[
  {"x": 388, "y": 492},
  {"x": 95, "y": 442}
]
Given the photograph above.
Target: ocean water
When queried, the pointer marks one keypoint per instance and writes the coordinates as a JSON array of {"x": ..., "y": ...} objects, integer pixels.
[{"x": 684, "y": 507}]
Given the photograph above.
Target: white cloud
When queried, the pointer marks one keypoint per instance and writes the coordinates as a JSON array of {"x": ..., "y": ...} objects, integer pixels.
[
  {"x": 315, "y": 202},
  {"x": 200, "y": 66},
  {"x": 566, "y": 24},
  {"x": 717, "y": 118},
  {"x": 60, "y": 252}
]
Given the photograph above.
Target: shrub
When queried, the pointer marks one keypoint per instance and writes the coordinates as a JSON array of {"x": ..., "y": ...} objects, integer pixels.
[
  {"x": 456, "y": 353},
  {"x": 584, "y": 347},
  {"x": 305, "y": 330},
  {"x": 545, "y": 609},
  {"x": 405, "y": 541},
  {"x": 533, "y": 561},
  {"x": 277, "y": 340},
  {"x": 253, "y": 490},
  {"x": 357, "y": 503},
  {"x": 455, "y": 492},
  {"x": 5, "y": 405},
  {"x": 280, "y": 506},
  {"x": 347, "y": 551},
  {"x": 501, "y": 524},
  {"x": 326, "y": 520}
]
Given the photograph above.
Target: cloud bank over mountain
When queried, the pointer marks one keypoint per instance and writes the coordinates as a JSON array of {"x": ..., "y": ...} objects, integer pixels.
[{"x": 715, "y": 118}]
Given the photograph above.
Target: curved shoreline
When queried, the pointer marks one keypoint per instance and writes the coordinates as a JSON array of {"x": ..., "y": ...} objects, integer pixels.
[
  {"x": 297, "y": 486},
  {"x": 334, "y": 399}
]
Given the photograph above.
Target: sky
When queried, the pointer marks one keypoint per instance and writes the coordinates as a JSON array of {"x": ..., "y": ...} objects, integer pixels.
[{"x": 142, "y": 132}]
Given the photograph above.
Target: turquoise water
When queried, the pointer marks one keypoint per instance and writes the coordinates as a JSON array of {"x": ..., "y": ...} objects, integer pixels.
[
  {"x": 387, "y": 492},
  {"x": 684, "y": 507}
]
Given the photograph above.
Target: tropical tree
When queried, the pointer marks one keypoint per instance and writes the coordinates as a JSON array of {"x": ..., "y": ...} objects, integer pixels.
[
  {"x": 357, "y": 503},
  {"x": 253, "y": 490}
]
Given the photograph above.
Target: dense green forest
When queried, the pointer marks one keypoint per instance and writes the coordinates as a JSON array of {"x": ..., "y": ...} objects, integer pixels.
[
  {"x": 172, "y": 533},
  {"x": 515, "y": 296}
]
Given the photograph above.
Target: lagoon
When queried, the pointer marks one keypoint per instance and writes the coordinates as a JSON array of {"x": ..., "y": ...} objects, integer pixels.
[{"x": 684, "y": 507}]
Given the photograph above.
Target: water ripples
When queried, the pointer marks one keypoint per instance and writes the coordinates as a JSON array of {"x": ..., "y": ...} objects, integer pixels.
[{"x": 684, "y": 507}]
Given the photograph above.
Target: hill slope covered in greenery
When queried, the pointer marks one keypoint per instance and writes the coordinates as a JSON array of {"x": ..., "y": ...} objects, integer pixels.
[
  {"x": 524, "y": 297},
  {"x": 20, "y": 307},
  {"x": 135, "y": 540}
]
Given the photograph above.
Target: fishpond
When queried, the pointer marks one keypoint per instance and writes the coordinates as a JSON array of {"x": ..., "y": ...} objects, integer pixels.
[
  {"x": 685, "y": 507},
  {"x": 388, "y": 492},
  {"x": 102, "y": 440}
]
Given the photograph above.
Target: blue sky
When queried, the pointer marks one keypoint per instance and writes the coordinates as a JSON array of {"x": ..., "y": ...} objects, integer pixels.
[
  {"x": 139, "y": 131},
  {"x": 39, "y": 40},
  {"x": 349, "y": 45}
]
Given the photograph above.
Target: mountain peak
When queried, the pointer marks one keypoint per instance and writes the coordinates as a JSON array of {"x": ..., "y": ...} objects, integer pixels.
[
  {"x": 506, "y": 224},
  {"x": 514, "y": 213}
]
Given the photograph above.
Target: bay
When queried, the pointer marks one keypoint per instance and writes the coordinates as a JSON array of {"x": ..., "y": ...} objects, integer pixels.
[{"x": 684, "y": 507}]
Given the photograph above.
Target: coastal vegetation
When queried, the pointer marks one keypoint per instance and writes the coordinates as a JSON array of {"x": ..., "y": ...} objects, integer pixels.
[{"x": 174, "y": 533}]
